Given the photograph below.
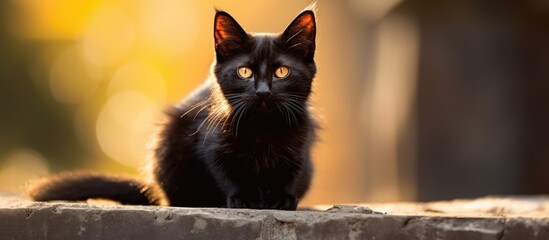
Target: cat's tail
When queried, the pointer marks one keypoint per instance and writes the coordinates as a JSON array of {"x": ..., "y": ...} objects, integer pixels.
[{"x": 81, "y": 186}]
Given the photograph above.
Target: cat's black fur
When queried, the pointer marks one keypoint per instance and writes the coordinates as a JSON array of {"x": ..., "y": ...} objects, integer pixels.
[{"x": 239, "y": 143}]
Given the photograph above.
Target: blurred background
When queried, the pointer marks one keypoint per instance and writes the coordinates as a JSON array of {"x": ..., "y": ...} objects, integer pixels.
[{"x": 419, "y": 99}]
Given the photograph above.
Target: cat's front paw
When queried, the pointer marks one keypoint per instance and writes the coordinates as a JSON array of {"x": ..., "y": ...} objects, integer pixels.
[
  {"x": 240, "y": 201},
  {"x": 285, "y": 202},
  {"x": 281, "y": 201}
]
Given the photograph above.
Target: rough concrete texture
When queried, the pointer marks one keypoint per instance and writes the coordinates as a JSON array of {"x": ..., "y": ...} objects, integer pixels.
[
  {"x": 20, "y": 219},
  {"x": 517, "y": 206}
]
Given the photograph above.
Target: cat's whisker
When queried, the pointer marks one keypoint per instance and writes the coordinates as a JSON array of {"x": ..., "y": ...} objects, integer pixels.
[
  {"x": 288, "y": 115},
  {"x": 300, "y": 111},
  {"x": 236, "y": 108},
  {"x": 200, "y": 110},
  {"x": 207, "y": 102},
  {"x": 239, "y": 110},
  {"x": 293, "y": 117},
  {"x": 296, "y": 100},
  {"x": 215, "y": 119},
  {"x": 215, "y": 125},
  {"x": 293, "y": 96},
  {"x": 208, "y": 119},
  {"x": 281, "y": 110},
  {"x": 297, "y": 107},
  {"x": 245, "y": 107}
]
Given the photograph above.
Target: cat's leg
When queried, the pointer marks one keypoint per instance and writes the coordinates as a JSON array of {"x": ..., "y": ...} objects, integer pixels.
[
  {"x": 260, "y": 197},
  {"x": 238, "y": 197},
  {"x": 288, "y": 197},
  {"x": 283, "y": 200}
]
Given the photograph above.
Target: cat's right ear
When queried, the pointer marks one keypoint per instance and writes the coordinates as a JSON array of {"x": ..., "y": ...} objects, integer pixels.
[
  {"x": 300, "y": 35},
  {"x": 229, "y": 36}
]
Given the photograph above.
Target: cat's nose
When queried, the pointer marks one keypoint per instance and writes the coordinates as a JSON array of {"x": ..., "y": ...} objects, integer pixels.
[
  {"x": 263, "y": 94},
  {"x": 263, "y": 91}
]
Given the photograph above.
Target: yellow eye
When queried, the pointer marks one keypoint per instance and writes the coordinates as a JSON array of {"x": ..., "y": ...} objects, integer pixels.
[
  {"x": 244, "y": 72},
  {"x": 282, "y": 72}
]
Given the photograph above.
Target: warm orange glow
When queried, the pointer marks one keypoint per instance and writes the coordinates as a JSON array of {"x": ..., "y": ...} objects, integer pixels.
[
  {"x": 19, "y": 166},
  {"x": 170, "y": 26},
  {"x": 393, "y": 89},
  {"x": 76, "y": 85},
  {"x": 139, "y": 76},
  {"x": 109, "y": 36},
  {"x": 55, "y": 19},
  {"x": 124, "y": 126}
]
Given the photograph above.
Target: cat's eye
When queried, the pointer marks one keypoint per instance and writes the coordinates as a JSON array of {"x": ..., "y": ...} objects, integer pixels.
[
  {"x": 282, "y": 72},
  {"x": 244, "y": 72}
]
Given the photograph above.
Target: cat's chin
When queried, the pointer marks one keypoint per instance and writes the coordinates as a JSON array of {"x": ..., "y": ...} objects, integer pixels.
[{"x": 265, "y": 107}]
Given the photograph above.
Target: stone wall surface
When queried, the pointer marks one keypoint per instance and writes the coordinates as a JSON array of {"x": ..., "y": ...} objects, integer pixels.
[{"x": 489, "y": 218}]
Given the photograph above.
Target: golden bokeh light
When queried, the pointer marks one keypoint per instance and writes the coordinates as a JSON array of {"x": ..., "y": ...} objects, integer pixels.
[
  {"x": 169, "y": 26},
  {"x": 71, "y": 79},
  {"x": 20, "y": 166},
  {"x": 140, "y": 76},
  {"x": 124, "y": 126},
  {"x": 110, "y": 35},
  {"x": 51, "y": 19}
]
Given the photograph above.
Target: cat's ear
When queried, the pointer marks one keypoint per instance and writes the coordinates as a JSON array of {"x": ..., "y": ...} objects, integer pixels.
[
  {"x": 228, "y": 34},
  {"x": 300, "y": 35}
]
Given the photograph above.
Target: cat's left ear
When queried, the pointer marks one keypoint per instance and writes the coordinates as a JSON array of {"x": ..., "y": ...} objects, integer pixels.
[
  {"x": 300, "y": 35},
  {"x": 229, "y": 35}
]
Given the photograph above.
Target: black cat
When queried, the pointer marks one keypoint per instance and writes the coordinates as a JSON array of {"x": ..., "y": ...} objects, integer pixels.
[{"x": 242, "y": 140}]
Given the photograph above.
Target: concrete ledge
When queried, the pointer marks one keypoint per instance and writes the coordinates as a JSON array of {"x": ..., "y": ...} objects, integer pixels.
[{"x": 21, "y": 219}]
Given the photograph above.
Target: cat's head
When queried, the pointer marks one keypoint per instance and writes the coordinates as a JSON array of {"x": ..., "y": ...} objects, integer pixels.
[{"x": 265, "y": 72}]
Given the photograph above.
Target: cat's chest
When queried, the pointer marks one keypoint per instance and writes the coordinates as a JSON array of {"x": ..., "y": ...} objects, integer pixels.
[
  {"x": 261, "y": 159},
  {"x": 261, "y": 144},
  {"x": 269, "y": 147}
]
